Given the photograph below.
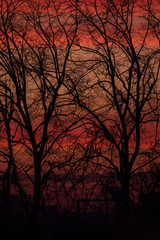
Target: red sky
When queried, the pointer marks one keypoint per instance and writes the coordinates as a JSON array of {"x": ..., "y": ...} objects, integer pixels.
[{"x": 152, "y": 41}]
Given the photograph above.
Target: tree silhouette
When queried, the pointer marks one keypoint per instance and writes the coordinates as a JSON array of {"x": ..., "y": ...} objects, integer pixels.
[
  {"x": 117, "y": 86},
  {"x": 35, "y": 47},
  {"x": 79, "y": 96},
  {"x": 7, "y": 160},
  {"x": 152, "y": 10}
]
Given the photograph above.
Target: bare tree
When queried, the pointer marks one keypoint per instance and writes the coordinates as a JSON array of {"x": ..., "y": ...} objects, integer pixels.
[
  {"x": 34, "y": 52},
  {"x": 105, "y": 88},
  {"x": 6, "y": 151},
  {"x": 153, "y": 16},
  {"x": 117, "y": 86}
]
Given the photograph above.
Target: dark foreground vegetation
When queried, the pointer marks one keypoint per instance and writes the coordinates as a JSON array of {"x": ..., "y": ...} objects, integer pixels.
[
  {"x": 79, "y": 118},
  {"x": 142, "y": 222},
  {"x": 91, "y": 218}
]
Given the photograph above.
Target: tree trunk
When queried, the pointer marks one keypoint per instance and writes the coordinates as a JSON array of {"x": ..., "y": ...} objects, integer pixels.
[
  {"x": 36, "y": 200},
  {"x": 125, "y": 182},
  {"x": 34, "y": 216}
]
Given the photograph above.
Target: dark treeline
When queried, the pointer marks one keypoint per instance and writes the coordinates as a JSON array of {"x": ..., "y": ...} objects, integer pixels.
[{"x": 79, "y": 103}]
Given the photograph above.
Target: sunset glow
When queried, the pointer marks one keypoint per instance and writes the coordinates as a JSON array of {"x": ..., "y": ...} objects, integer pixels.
[{"x": 79, "y": 114}]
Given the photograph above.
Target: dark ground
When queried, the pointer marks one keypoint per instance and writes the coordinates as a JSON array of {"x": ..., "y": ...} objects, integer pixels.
[{"x": 138, "y": 224}]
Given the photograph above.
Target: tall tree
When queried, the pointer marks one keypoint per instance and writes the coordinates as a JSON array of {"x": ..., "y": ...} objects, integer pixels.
[
  {"x": 35, "y": 47},
  {"x": 6, "y": 151},
  {"x": 117, "y": 86}
]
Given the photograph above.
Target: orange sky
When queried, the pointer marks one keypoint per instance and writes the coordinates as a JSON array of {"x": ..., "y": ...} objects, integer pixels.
[{"x": 35, "y": 38}]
